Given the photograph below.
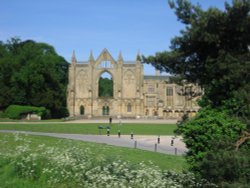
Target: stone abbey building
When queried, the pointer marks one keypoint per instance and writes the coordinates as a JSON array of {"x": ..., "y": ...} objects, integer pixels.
[{"x": 135, "y": 95}]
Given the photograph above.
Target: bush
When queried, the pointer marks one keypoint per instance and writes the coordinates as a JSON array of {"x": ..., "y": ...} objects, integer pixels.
[
  {"x": 210, "y": 137},
  {"x": 226, "y": 166},
  {"x": 2, "y": 115},
  {"x": 206, "y": 128},
  {"x": 16, "y": 111}
]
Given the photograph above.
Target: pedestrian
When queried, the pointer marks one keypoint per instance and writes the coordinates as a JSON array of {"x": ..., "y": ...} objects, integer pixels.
[
  {"x": 132, "y": 135},
  {"x": 108, "y": 131},
  {"x": 172, "y": 141},
  {"x": 110, "y": 120},
  {"x": 119, "y": 133},
  {"x": 158, "y": 139}
]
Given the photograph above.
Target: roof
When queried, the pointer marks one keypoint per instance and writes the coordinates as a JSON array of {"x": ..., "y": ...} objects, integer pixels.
[
  {"x": 129, "y": 62},
  {"x": 82, "y": 62},
  {"x": 149, "y": 77}
]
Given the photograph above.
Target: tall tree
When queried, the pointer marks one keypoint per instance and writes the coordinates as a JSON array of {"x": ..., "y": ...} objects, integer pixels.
[
  {"x": 213, "y": 51},
  {"x": 34, "y": 74}
]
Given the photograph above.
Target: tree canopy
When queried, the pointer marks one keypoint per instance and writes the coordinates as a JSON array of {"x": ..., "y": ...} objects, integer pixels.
[
  {"x": 213, "y": 51},
  {"x": 105, "y": 87},
  {"x": 32, "y": 73}
]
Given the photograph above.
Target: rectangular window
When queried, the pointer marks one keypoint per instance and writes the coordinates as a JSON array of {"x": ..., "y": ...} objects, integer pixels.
[{"x": 169, "y": 91}]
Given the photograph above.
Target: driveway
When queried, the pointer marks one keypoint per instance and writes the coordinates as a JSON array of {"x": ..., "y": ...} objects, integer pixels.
[{"x": 149, "y": 143}]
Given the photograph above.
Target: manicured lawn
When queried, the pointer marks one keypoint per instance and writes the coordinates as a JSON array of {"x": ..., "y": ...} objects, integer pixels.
[
  {"x": 137, "y": 129},
  {"x": 46, "y": 120}
]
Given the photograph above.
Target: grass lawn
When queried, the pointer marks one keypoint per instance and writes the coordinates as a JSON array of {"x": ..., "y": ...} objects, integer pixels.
[
  {"x": 46, "y": 120},
  {"x": 164, "y": 161},
  {"x": 14, "y": 175},
  {"x": 92, "y": 128}
]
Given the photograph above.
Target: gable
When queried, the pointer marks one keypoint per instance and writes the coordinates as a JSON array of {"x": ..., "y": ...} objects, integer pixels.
[{"x": 105, "y": 60}]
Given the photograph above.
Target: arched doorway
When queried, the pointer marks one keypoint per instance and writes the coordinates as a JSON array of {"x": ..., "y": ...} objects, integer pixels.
[
  {"x": 105, "y": 110},
  {"x": 105, "y": 86},
  {"x": 82, "y": 110}
]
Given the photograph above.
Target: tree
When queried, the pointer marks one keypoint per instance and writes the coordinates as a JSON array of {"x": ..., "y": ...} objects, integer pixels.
[
  {"x": 33, "y": 74},
  {"x": 105, "y": 87},
  {"x": 208, "y": 126},
  {"x": 213, "y": 51}
]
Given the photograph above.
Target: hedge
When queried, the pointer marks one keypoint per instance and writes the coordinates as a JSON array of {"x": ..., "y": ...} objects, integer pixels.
[{"x": 16, "y": 111}]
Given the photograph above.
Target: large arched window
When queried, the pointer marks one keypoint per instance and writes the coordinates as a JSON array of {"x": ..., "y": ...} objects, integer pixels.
[
  {"x": 106, "y": 85},
  {"x": 81, "y": 110}
]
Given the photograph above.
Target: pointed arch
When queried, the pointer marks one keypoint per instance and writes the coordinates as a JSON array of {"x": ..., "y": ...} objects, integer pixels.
[
  {"x": 105, "y": 85},
  {"x": 129, "y": 107},
  {"x": 82, "y": 110}
]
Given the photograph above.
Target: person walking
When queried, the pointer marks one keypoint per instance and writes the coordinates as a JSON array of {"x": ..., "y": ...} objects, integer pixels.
[{"x": 110, "y": 120}]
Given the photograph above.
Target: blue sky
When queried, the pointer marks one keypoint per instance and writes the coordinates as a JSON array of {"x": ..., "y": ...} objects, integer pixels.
[{"x": 84, "y": 25}]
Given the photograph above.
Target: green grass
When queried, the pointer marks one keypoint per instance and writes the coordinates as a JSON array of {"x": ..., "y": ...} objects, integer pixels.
[
  {"x": 164, "y": 161},
  {"x": 8, "y": 144},
  {"x": 92, "y": 128},
  {"x": 16, "y": 120}
]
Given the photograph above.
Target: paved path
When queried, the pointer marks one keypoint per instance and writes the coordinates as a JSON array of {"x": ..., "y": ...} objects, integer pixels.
[{"x": 141, "y": 142}]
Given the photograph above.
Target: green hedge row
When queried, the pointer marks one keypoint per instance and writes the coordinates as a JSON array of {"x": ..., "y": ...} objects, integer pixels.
[{"x": 17, "y": 111}]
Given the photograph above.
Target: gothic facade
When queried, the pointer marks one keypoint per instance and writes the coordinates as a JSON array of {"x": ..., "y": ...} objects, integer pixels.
[{"x": 135, "y": 95}]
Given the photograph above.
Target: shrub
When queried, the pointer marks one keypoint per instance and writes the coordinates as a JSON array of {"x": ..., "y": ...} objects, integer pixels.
[
  {"x": 16, "y": 111},
  {"x": 206, "y": 128},
  {"x": 222, "y": 166},
  {"x": 210, "y": 138},
  {"x": 2, "y": 115}
]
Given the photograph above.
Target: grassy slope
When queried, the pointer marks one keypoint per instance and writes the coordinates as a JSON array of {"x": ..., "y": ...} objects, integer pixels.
[
  {"x": 8, "y": 143},
  {"x": 133, "y": 155},
  {"x": 137, "y": 129}
]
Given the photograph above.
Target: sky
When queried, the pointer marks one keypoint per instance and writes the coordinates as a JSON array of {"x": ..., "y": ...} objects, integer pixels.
[{"x": 128, "y": 26}]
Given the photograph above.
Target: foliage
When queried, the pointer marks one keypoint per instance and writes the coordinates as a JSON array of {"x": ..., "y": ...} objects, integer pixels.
[
  {"x": 2, "y": 115},
  {"x": 73, "y": 166},
  {"x": 16, "y": 111},
  {"x": 236, "y": 166},
  {"x": 207, "y": 126},
  {"x": 105, "y": 87},
  {"x": 213, "y": 51},
  {"x": 210, "y": 138},
  {"x": 32, "y": 74}
]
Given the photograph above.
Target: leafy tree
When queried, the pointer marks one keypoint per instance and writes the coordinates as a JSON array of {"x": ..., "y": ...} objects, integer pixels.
[
  {"x": 223, "y": 165},
  {"x": 32, "y": 74},
  {"x": 208, "y": 126},
  {"x": 213, "y": 51},
  {"x": 105, "y": 87}
]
